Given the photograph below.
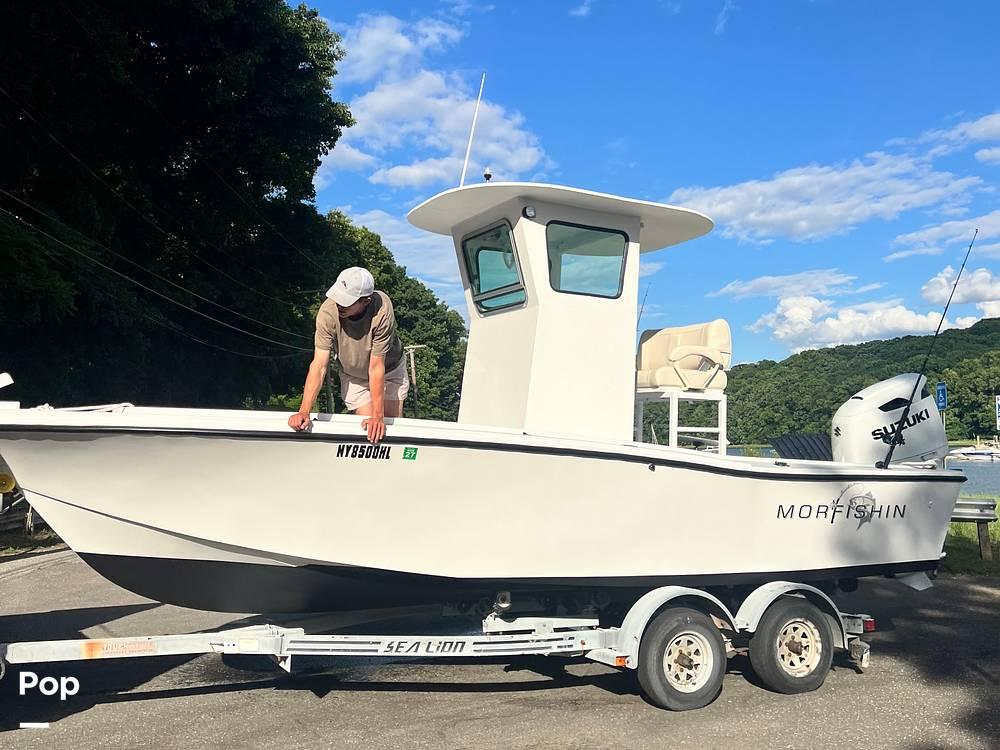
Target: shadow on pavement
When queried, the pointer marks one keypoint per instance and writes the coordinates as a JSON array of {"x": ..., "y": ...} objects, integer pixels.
[{"x": 950, "y": 633}]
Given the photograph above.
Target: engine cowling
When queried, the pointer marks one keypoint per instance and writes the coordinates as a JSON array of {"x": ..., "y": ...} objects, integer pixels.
[{"x": 868, "y": 423}]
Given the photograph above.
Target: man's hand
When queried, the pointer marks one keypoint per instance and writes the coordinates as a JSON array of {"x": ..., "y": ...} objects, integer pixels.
[
  {"x": 375, "y": 428},
  {"x": 300, "y": 422}
]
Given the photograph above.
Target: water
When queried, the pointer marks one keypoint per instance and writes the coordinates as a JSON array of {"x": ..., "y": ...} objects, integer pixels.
[{"x": 983, "y": 477}]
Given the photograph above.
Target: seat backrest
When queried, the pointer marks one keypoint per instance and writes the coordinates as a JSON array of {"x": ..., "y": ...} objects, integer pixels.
[{"x": 655, "y": 346}]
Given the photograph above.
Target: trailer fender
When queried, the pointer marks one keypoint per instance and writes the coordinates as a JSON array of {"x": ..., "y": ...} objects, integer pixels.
[
  {"x": 634, "y": 624},
  {"x": 753, "y": 607}
]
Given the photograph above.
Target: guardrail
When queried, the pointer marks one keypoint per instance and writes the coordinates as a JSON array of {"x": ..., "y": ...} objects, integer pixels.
[{"x": 982, "y": 513}]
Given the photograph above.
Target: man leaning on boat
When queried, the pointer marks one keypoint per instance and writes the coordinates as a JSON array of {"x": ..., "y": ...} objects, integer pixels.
[{"x": 357, "y": 324}]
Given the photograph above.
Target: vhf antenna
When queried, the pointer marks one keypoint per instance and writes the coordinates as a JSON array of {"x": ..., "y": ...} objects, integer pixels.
[
  {"x": 898, "y": 434},
  {"x": 472, "y": 132}
]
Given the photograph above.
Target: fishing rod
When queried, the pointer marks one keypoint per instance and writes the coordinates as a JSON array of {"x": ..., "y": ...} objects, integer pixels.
[
  {"x": 897, "y": 436},
  {"x": 642, "y": 308}
]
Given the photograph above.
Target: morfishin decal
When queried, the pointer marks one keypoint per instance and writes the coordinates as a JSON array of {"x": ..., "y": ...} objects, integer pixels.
[{"x": 855, "y": 502}]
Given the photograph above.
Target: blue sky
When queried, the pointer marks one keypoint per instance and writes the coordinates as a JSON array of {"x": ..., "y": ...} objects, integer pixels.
[{"x": 846, "y": 150}]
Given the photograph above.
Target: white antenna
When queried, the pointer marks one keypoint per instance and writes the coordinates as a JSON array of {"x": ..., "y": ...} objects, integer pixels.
[{"x": 472, "y": 132}]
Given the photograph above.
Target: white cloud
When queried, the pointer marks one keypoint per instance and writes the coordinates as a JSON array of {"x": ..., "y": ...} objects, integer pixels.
[
  {"x": 723, "y": 18},
  {"x": 976, "y": 286},
  {"x": 868, "y": 288},
  {"x": 418, "y": 173},
  {"x": 986, "y": 128},
  {"x": 953, "y": 232},
  {"x": 816, "y": 201},
  {"x": 649, "y": 267},
  {"x": 429, "y": 257},
  {"x": 432, "y": 112},
  {"x": 825, "y": 282},
  {"x": 583, "y": 9},
  {"x": 900, "y": 254},
  {"x": 413, "y": 121},
  {"x": 990, "y": 250},
  {"x": 989, "y": 155},
  {"x": 990, "y": 309},
  {"x": 343, "y": 157},
  {"x": 380, "y": 44},
  {"x": 806, "y": 322},
  {"x": 933, "y": 240},
  {"x": 464, "y": 7}
]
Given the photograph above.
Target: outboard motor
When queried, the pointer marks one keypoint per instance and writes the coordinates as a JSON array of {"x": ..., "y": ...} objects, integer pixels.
[{"x": 865, "y": 426}]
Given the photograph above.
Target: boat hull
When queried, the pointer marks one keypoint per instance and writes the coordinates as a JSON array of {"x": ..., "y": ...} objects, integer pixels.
[{"x": 260, "y": 519}]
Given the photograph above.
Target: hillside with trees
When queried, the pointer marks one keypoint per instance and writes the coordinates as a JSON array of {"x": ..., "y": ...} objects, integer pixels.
[
  {"x": 159, "y": 239},
  {"x": 801, "y": 393}
]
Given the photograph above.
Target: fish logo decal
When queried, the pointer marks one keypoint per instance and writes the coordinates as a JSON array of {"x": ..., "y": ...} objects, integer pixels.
[{"x": 857, "y": 496}]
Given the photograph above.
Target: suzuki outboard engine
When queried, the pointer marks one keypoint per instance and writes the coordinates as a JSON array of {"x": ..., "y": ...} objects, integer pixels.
[{"x": 865, "y": 426}]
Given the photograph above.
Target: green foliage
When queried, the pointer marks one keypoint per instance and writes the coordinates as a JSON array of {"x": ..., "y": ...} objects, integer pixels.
[
  {"x": 973, "y": 385},
  {"x": 962, "y": 553},
  {"x": 177, "y": 142},
  {"x": 802, "y": 392}
]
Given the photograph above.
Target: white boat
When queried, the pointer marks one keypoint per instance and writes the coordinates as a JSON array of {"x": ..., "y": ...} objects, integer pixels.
[
  {"x": 975, "y": 453},
  {"x": 541, "y": 485}
]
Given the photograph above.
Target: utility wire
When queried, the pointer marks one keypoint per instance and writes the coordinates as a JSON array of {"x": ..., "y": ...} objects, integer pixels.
[
  {"x": 174, "y": 328},
  {"x": 142, "y": 214},
  {"x": 128, "y": 278},
  {"x": 150, "y": 272}
]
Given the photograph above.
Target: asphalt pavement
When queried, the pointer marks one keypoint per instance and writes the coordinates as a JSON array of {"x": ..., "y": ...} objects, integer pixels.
[{"x": 934, "y": 682}]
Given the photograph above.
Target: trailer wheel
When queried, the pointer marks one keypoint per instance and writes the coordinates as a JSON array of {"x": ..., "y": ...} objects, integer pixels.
[
  {"x": 792, "y": 649},
  {"x": 682, "y": 660}
]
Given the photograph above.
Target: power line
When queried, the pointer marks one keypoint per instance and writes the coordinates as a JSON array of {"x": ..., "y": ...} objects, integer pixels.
[
  {"x": 128, "y": 278},
  {"x": 142, "y": 214},
  {"x": 150, "y": 272},
  {"x": 174, "y": 328}
]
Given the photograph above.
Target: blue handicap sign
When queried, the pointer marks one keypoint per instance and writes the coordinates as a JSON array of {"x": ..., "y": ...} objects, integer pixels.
[{"x": 942, "y": 396}]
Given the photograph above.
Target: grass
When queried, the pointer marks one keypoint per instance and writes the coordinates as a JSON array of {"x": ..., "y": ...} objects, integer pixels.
[
  {"x": 962, "y": 546},
  {"x": 16, "y": 543}
]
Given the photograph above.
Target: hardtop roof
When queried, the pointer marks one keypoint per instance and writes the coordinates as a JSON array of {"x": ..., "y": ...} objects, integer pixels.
[{"x": 662, "y": 225}]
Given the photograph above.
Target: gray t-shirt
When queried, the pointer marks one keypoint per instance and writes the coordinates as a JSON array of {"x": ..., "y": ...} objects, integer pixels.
[{"x": 354, "y": 341}]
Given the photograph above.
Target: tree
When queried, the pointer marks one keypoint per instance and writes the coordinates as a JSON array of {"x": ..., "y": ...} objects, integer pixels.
[
  {"x": 158, "y": 240},
  {"x": 973, "y": 385}
]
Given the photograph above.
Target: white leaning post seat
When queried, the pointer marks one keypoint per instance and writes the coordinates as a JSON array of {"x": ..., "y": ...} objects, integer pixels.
[{"x": 691, "y": 358}]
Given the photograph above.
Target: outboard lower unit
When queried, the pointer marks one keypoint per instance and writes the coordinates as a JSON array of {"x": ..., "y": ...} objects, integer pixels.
[{"x": 868, "y": 423}]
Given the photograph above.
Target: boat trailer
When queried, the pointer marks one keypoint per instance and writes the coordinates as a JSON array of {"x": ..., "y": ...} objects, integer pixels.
[{"x": 677, "y": 638}]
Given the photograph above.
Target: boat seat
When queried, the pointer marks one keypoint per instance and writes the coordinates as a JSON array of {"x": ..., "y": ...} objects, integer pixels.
[{"x": 691, "y": 358}]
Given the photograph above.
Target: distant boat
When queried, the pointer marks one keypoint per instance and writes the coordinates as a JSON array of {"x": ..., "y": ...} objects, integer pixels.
[{"x": 975, "y": 453}]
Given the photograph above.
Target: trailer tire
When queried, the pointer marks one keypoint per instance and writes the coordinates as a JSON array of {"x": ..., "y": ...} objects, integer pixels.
[
  {"x": 682, "y": 660},
  {"x": 792, "y": 648}
]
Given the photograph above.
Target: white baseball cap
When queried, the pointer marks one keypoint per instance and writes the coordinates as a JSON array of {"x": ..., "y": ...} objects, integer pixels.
[{"x": 352, "y": 284}]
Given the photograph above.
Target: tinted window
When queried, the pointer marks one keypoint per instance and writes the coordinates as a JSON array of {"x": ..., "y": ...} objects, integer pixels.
[
  {"x": 585, "y": 260},
  {"x": 494, "y": 275}
]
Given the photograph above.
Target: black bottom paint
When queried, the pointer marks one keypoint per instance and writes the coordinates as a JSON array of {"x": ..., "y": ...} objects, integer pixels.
[{"x": 246, "y": 587}]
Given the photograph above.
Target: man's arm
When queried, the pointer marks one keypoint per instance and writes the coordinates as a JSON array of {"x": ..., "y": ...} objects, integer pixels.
[
  {"x": 375, "y": 424},
  {"x": 314, "y": 381}
]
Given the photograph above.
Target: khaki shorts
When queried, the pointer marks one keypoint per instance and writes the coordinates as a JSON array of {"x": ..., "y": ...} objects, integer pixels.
[{"x": 355, "y": 391}]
